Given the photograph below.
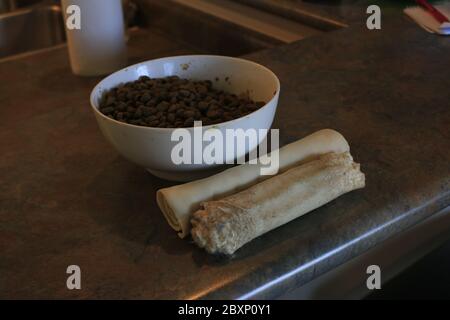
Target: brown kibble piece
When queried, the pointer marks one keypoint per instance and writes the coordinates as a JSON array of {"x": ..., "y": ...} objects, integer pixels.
[{"x": 172, "y": 102}]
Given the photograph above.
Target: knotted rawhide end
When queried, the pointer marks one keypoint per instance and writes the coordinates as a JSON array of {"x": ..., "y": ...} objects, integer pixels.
[{"x": 217, "y": 227}]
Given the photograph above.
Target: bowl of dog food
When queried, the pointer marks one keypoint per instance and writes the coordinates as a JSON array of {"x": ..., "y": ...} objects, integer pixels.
[{"x": 168, "y": 115}]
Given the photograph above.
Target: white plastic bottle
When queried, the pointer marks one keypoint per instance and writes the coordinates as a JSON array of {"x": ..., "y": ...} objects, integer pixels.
[{"x": 95, "y": 36}]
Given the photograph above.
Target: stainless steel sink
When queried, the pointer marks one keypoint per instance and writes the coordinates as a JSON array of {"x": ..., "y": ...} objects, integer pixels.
[
  {"x": 11, "y": 5},
  {"x": 6, "y": 5},
  {"x": 227, "y": 27},
  {"x": 30, "y": 29}
]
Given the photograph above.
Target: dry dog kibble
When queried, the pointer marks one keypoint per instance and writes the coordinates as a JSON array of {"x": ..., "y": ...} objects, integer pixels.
[{"x": 172, "y": 102}]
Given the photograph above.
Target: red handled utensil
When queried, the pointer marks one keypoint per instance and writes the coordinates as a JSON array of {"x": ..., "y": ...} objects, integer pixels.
[{"x": 433, "y": 11}]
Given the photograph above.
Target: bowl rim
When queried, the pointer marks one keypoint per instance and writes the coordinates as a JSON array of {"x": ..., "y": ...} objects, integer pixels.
[{"x": 95, "y": 89}]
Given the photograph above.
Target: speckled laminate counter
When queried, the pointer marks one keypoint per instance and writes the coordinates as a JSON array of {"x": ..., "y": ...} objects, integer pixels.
[{"x": 66, "y": 197}]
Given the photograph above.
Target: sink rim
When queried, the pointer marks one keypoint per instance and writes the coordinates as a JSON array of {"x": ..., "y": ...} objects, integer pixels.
[
  {"x": 30, "y": 10},
  {"x": 48, "y": 19}
]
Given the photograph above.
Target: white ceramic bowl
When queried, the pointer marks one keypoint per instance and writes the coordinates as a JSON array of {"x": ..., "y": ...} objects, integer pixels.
[{"x": 151, "y": 148}]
